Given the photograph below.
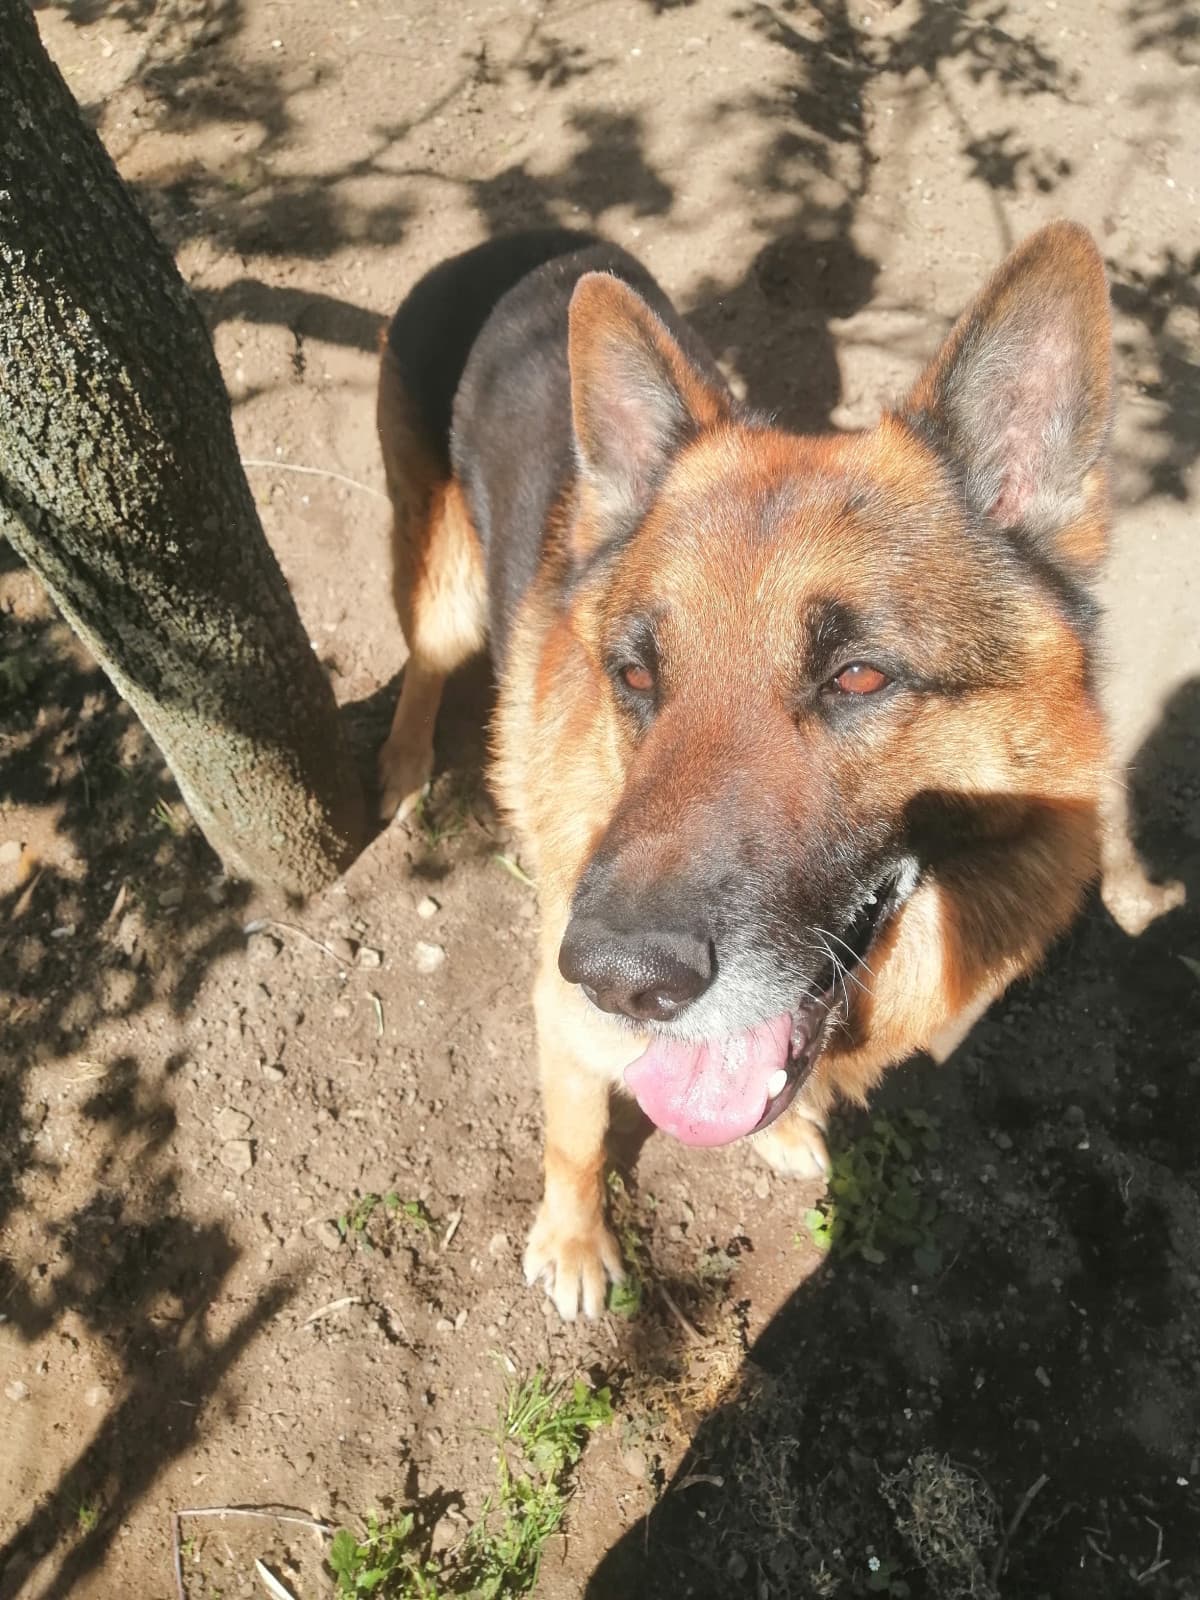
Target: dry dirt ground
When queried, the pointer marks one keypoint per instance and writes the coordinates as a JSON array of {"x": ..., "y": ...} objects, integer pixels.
[{"x": 821, "y": 186}]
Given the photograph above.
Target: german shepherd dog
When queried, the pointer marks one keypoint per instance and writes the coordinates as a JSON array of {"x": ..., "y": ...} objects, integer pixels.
[{"x": 800, "y": 734}]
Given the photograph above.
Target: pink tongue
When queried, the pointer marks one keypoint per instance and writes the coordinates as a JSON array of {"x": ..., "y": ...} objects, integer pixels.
[{"x": 714, "y": 1092}]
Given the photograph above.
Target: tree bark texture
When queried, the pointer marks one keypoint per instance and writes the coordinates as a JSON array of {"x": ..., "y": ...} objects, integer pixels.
[{"x": 121, "y": 485}]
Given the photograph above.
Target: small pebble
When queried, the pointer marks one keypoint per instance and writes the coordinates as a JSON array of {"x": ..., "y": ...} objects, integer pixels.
[
  {"x": 16, "y": 1390},
  {"x": 428, "y": 907},
  {"x": 428, "y": 957},
  {"x": 237, "y": 1156},
  {"x": 170, "y": 897},
  {"x": 367, "y": 957},
  {"x": 328, "y": 1236},
  {"x": 95, "y": 1396},
  {"x": 271, "y": 1073},
  {"x": 232, "y": 1124},
  {"x": 635, "y": 1464},
  {"x": 341, "y": 947},
  {"x": 498, "y": 1245},
  {"x": 10, "y": 851}
]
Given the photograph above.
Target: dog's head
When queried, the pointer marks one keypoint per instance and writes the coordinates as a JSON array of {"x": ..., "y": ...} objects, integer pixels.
[{"x": 838, "y": 693}]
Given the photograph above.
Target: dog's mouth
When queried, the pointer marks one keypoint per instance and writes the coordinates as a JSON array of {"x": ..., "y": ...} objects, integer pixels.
[{"x": 712, "y": 1091}]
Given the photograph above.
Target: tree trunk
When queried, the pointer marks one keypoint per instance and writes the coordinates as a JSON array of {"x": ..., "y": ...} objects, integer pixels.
[{"x": 120, "y": 484}]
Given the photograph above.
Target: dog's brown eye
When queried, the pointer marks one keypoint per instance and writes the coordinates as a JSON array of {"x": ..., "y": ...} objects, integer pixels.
[
  {"x": 860, "y": 677},
  {"x": 639, "y": 679}
]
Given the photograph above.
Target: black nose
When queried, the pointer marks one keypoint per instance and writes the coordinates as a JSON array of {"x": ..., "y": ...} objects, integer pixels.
[{"x": 649, "y": 976}]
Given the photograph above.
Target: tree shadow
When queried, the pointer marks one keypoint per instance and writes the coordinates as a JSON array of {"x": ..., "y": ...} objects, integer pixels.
[
  {"x": 1157, "y": 344},
  {"x": 113, "y": 905},
  {"x": 770, "y": 322},
  {"x": 1051, "y": 1350},
  {"x": 1169, "y": 27}
]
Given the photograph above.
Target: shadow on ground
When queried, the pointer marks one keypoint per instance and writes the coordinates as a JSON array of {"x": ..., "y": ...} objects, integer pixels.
[
  {"x": 1056, "y": 1337},
  {"x": 1048, "y": 1353},
  {"x": 115, "y": 907}
]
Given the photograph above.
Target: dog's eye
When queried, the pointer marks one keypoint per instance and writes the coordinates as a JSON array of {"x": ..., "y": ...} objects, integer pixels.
[
  {"x": 638, "y": 678},
  {"x": 860, "y": 677}
]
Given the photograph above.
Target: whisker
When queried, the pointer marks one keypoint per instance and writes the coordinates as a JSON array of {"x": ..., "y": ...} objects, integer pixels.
[
  {"x": 845, "y": 946},
  {"x": 838, "y": 971}
]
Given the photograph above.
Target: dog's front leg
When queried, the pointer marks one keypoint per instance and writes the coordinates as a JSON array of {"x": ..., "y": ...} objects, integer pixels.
[{"x": 571, "y": 1248}]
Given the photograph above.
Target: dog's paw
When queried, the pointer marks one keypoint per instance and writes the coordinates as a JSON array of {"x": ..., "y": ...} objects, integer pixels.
[
  {"x": 404, "y": 773},
  {"x": 795, "y": 1145},
  {"x": 574, "y": 1260}
]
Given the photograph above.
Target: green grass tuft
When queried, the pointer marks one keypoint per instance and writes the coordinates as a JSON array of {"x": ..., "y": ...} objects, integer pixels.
[{"x": 542, "y": 1430}]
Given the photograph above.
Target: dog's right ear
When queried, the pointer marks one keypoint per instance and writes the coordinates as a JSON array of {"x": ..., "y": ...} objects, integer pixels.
[
  {"x": 635, "y": 400},
  {"x": 1019, "y": 397}
]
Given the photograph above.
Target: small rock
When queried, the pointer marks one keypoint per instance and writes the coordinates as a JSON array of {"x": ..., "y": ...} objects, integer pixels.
[
  {"x": 1002, "y": 1141},
  {"x": 341, "y": 947},
  {"x": 328, "y": 1236},
  {"x": 444, "y": 1325},
  {"x": 635, "y": 1464},
  {"x": 169, "y": 898},
  {"x": 367, "y": 957},
  {"x": 762, "y": 1187},
  {"x": 445, "y": 1535},
  {"x": 272, "y": 1073},
  {"x": 264, "y": 948},
  {"x": 95, "y": 1396},
  {"x": 237, "y": 1156},
  {"x": 1043, "y": 1377},
  {"x": 498, "y": 1245},
  {"x": 428, "y": 907},
  {"x": 232, "y": 1124},
  {"x": 16, "y": 1390},
  {"x": 340, "y": 1010},
  {"x": 460, "y": 1320},
  {"x": 10, "y": 851},
  {"x": 428, "y": 957}
]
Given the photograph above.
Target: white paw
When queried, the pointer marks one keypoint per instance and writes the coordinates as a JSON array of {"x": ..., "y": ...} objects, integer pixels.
[
  {"x": 795, "y": 1145},
  {"x": 574, "y": 1260},
  {"x": 404, "y": 773}
]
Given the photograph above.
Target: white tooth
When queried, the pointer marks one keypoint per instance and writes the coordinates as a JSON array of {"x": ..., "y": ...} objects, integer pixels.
[{"x": 777, "y": 1083}]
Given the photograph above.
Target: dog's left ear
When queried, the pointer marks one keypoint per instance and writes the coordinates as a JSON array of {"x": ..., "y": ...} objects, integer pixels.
[
  {"x": 636, "y": 399},
  {"x": 1019, "y": 396}
]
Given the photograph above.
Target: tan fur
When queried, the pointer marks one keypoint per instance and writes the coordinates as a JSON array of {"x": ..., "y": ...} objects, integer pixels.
[
  {"x": 438, "y": 585},
  {"x": 1027, "y": 753}
]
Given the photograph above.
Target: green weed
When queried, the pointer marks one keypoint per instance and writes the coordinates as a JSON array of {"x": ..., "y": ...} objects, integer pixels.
[
  {"x": 514, "y": 869},
  {"x": 381, "y": 1562},
  {"x": 87, "y": 1516},
  {"x": 355, "y": 1222},
  {"x": 876, "y": 1202},
  {"x": 171, "y": 818},
  {"x": 625, "y": 1298},
  {"x": 19, "y": 671},
  {"x": 443, "y": 811},
  {"x": 541, "y": 1434}
]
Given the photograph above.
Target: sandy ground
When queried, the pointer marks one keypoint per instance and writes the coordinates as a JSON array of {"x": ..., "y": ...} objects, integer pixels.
[{"x": 821, "y": 187}]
